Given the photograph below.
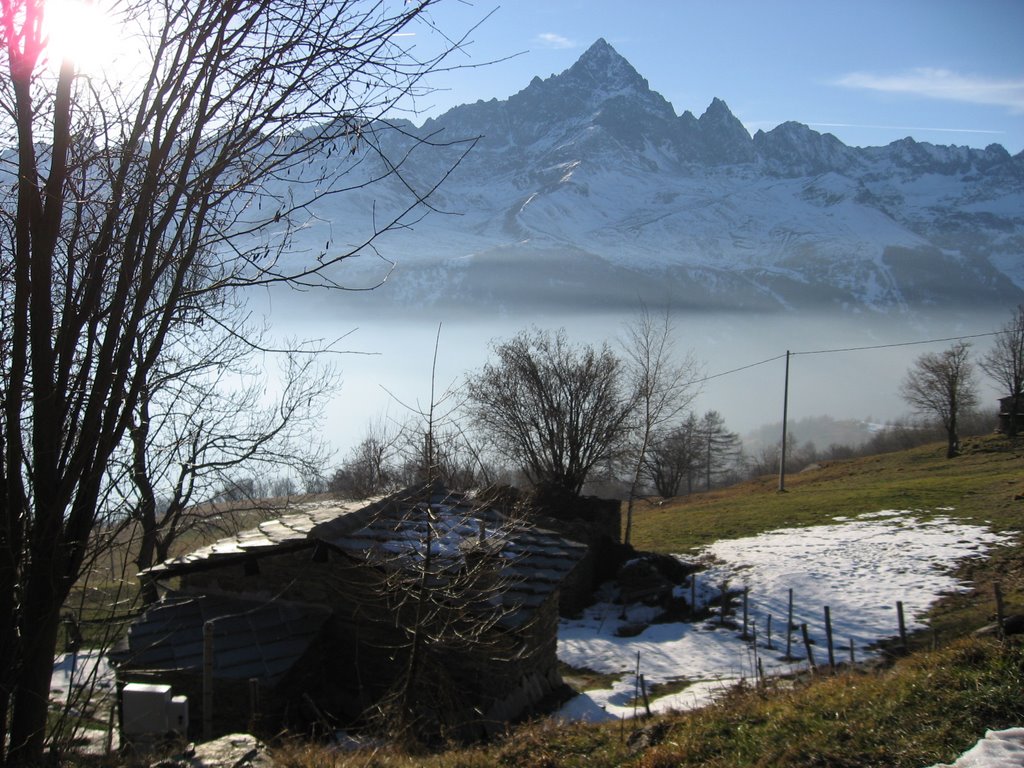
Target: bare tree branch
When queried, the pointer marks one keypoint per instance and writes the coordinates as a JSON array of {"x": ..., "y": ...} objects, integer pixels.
[{"x": 134, "y": 207}]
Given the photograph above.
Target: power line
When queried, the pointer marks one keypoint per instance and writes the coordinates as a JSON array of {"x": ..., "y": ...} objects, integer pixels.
[
  {"x": 845, "y": 349},
  {"x": 897, "y": 344},
  {"x": 737, "y": 370}
]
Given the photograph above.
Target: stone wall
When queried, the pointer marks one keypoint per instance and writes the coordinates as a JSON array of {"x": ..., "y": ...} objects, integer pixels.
[
  {"x": 364, "y": 651},
  {"x": 592, "y": 521}
]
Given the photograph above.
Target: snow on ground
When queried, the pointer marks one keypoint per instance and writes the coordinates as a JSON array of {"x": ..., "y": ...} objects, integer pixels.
[
  {"x": 999, "y": 749},
  {"x": 74, "y": 671},
  {"x": 858, "y": 567}
]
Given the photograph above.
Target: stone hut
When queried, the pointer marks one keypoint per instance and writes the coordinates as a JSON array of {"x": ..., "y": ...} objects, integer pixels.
[
  {"x": 336, "y": 615},
  {"x": 1011, "y": 415}
]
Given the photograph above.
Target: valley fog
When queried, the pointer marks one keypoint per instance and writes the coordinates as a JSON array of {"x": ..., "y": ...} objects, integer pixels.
[{"x": 389, "y": 355}]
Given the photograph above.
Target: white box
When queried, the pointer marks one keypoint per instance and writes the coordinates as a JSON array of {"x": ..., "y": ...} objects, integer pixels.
[
  {"x": 145, "y": 708},
  {"x": 177, "y": 715}
]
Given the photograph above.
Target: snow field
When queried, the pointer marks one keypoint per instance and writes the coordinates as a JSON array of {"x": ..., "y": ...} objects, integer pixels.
[{"x": 858, "y": 567}]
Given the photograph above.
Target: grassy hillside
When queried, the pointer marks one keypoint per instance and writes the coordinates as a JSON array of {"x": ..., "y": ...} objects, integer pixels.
[
  {"x": 917, "y": 711},
  {"x": 985, "y": 486},
  {"x": 980, "y": 485},
  {"x": 913, "y": 711}
]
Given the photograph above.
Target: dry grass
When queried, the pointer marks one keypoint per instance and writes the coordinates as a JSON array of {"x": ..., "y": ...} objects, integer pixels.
[{"x": 920, "y": 710}]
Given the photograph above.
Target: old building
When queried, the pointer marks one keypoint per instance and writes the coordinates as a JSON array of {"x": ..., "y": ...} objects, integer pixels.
[
  {"x": 1011, "y": 415},
  {"x": 423, "y": 609}
]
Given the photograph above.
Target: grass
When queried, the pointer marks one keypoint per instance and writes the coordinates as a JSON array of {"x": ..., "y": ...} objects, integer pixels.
[
  {"x": 927, "y": 708},
  {"x": 980, "y": 485},
  {"x": 984, "y": 486},
  {"x": 918, "y": 710},
  {"x": 582, "y": 679}
]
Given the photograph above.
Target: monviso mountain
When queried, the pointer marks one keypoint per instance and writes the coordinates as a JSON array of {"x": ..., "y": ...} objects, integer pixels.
[{"x": 586, "y": 190}]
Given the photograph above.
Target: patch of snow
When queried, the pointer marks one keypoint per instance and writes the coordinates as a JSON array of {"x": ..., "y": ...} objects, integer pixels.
[
  {"x": 83, "y": 669},
  {"x": 860, "y": 569},
  {"x": 999, "y": 749}
]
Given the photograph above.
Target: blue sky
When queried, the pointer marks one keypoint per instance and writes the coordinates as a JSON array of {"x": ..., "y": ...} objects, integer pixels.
[{"x": 870, "y": 72}]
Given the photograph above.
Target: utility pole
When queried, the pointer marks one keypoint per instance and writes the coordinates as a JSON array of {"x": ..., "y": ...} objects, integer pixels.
[{"x": 785, "y": 418}]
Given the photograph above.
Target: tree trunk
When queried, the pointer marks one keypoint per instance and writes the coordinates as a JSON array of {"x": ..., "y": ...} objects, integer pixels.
[
  {"x": 30, "y": 701},
  {"x": 143, "y": 560}
]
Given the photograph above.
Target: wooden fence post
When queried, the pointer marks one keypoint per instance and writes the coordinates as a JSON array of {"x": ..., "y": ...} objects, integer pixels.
[
  {"x": 828, "y": 636},
  {"x": 789, "y": 626},
  {"x": 769, "y": 632},
  {"x": 636, "y": 686},
  {"x": 807, "y": 646},
  {"x": 207, "y": 680},
  {"x": 903, "y": 625},
  {"x": 746, "y": 594}
]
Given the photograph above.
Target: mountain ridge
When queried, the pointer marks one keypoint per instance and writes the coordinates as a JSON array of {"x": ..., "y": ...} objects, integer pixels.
[{"x": 591, "y": 167}]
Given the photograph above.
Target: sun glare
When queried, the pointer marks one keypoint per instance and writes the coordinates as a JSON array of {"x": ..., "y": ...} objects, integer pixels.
[{"x": 79, "y": 30}]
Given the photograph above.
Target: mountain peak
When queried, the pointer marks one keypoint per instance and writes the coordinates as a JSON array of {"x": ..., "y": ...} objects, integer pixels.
[
  {"x": 600, "y": 52},
  {"x": 602, "y": 64},
  {"x": 718, "y": 111}
]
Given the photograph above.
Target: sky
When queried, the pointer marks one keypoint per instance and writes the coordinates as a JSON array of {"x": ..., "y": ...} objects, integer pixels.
[{"x": 869, "y": 72}]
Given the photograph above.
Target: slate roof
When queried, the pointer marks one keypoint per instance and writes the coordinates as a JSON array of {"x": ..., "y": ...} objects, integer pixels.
[
  {"x": 250, "y": 638},
  {"x": 285, "y": 533},
  {"x": 394, "y": 530}
]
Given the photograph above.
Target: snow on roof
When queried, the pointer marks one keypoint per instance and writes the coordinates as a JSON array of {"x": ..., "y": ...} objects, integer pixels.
[
  {"x": 394, "y": 531},
  {"x": 288, "y": 531}
]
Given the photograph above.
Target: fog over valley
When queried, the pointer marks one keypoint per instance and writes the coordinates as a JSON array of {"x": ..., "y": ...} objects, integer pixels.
[{"x": 393, "y": 353}]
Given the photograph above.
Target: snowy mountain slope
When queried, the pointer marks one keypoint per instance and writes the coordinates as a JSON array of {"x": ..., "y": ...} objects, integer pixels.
[{"x": 586, "y": 186}]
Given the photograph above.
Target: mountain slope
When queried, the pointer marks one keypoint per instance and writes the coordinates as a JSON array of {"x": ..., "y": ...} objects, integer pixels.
[{"x": 587, "y": 187}]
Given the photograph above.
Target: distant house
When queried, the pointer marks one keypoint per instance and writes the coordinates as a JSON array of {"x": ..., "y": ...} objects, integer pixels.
[
  {"x": 1008, "y": 416},
  {"x": 314, "y": 618}
]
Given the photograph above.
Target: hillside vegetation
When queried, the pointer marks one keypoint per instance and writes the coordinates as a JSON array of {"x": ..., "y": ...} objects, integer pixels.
[
  {"x": 914, "y": 711},
  {"x": 909, "y": 711}
]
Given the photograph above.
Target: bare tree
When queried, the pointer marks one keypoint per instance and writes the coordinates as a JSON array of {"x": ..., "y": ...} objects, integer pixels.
[
  {"x": 447, "y": 579},
  {"x": 553, "y": 408},
  {"x": 697, "y": 448},
  {"x": 1004, "y": 363},
  {"x": 432, "y": 445},
  {"x": 942, "y": 385},
  {"x": 203, "y": 427},
  {"x": 675, "y": 457},
  {"x": 130, "y": 203},
  {"x": 445, "y": 453},
  {"x": 371, "y": 467},
  {"x": 663, "y": 388}
]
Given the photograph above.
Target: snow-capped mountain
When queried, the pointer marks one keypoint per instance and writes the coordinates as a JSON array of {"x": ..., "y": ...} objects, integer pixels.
[{"x": 587, "y": 188}]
